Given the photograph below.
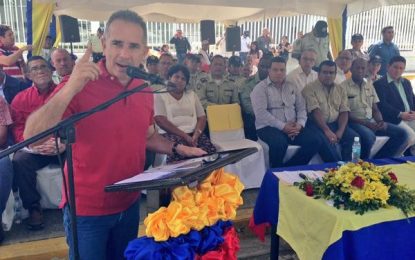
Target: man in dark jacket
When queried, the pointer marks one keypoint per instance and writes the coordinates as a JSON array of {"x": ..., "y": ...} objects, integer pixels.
[
  {"x": 11, "y": 86},
  {"x": 397, "y": 100},
  {"x": 181, "y": 44}
]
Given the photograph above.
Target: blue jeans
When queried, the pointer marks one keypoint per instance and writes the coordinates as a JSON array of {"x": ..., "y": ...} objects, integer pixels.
[
  {"x": 6, "y": 180},
  {"x": 393, "y": 147},
  {"x": 243, "y": 56},
  {"x": 180, "y": 57},
  {"x": 103, "y": 237},
  {"x": 278, "y": 142},
  {"x": 328, "y": 151}
]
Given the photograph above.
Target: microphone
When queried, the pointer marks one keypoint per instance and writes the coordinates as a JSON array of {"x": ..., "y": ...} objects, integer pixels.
[{"x": 138, "y": 73}]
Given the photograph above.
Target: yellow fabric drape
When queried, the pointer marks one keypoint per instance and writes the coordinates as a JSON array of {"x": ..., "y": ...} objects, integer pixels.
[
  {"x": 58, "y": 33},
  {"x": 335, "y": 35},
  {"x": 310, "y": 226},
  {"x": 41, "y": 17}
]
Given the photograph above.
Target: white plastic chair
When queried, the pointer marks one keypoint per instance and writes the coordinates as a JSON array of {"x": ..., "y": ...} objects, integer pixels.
[
  {"x": 379, "y": 143},
  {"x": 291, "y": 150},
  {"x": 49, "y": 185},
  {"x": 227, "y": 134}
]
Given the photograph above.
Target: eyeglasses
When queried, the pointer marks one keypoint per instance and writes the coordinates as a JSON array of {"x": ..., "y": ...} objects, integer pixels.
[{"x": 39, "y": 68}]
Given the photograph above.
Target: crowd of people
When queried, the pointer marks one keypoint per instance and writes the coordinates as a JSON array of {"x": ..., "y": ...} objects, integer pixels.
[{"x": 316, "y": 106}]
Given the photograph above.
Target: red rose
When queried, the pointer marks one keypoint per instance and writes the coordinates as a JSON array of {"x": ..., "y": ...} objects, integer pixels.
[
  {"x": 309, "y": 190},
  {"x": 358, "y": 182},
  {"x": 393, "y": 177}
]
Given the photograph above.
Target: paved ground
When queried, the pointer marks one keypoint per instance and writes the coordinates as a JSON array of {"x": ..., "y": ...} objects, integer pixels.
[{"x": 251, "y": 247}]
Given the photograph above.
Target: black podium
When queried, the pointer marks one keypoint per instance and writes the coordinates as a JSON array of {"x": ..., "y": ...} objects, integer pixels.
[{"x": 158, "y": 189}]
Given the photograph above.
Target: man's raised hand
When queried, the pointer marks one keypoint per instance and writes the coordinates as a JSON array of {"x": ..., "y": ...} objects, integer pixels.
[{"x": 84, "y": 71}]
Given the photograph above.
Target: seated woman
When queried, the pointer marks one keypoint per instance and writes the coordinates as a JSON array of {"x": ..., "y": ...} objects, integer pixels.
[{"x": 180, "y": 115}]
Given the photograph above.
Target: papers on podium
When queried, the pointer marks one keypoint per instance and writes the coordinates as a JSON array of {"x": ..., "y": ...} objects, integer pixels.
[{"x": 163, "y": 171}]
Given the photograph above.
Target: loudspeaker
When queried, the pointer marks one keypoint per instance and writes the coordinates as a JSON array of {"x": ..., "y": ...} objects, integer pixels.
[
  {"x": 233, "y": 38},
  {"x": 207, "y": 31},
  {"x": 69, "y": 29}
]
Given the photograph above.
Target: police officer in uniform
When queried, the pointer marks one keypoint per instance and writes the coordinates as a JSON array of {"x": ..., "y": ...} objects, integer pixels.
[
  {"x": 245, "y": 90},
  {"x": 192, "y": 62},
  {"x": 217, "y": 89},
  {"x": 234, "y": 71}
]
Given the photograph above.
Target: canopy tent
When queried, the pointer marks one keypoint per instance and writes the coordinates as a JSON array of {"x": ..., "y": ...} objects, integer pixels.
[
  {"x": 229, "y": 12},
  {"x": 218, "y": 10}
]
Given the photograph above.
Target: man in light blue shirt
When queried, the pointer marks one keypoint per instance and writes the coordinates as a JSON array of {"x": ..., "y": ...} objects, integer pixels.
[
  {"x": 280, "y": 117},
  {"x": 386, "y": 49}
]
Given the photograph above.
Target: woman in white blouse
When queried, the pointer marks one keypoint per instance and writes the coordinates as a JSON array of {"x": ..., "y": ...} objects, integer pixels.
[{"x": 180, "y": 115}]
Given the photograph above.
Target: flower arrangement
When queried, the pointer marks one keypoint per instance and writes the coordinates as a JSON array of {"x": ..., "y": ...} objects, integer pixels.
[
  {"x": 195, "y": 225},
  {"x": 216, "y": 198},
  {"x": 361, "y": 187}
]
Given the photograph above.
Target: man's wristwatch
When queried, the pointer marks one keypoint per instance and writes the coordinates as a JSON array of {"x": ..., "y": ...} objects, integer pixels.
[
  {"x": 174, "y": 149},
  {"x": 199, "y": 131}
]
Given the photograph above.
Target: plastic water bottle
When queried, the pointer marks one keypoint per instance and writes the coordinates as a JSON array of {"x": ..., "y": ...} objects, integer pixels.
[
  {"x": 17, "y": 209},
  {"x": 356, "y": 150}
]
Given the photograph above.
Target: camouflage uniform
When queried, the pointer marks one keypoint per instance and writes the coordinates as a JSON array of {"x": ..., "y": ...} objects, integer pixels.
[{"x": 212, "y": 93}]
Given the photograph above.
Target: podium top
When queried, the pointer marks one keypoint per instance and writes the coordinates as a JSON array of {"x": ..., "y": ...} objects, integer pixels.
[{"x": 182, "y": 176}]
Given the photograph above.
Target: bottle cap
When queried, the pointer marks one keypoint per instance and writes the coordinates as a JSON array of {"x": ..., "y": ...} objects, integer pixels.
[{"x": 356, "y": 139}]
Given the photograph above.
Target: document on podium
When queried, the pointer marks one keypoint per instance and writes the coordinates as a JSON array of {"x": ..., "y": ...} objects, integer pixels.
[
  {"x": 161, "y": 171},
  {"x": 181, "y": 173}
]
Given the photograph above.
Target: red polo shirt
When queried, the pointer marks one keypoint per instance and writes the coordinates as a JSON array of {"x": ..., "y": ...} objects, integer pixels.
[
  {"x": 23, "y": 105},
  {"x": 12, "y": 70},
  {"x": 110, "y": 145}
]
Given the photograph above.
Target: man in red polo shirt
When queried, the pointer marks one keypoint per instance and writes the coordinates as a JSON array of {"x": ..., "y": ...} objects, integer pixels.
[
  {"x": 27, "y": 161},
  {"x": 110, "y": 145},
  {"x": 11, "y": 57}
]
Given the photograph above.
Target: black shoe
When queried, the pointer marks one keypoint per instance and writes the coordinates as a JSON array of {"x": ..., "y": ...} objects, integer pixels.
[{"x": 35, "y": 221}]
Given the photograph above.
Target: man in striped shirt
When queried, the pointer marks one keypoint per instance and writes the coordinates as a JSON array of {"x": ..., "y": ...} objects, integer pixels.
[{"x": 11, "y": 57}]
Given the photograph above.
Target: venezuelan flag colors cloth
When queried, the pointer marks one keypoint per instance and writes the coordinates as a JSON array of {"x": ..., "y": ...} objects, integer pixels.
[{"x": 195, "y": 225}]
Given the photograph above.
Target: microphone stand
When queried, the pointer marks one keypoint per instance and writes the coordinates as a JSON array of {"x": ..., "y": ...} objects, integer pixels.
[{"x": 66, "y": 130}]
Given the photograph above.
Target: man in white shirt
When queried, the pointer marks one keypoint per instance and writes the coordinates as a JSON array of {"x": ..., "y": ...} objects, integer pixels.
[
  {"x": 304, "y": 73},
  {"x": 344, "y": 63},
  {"x": 245, "y": 46}
]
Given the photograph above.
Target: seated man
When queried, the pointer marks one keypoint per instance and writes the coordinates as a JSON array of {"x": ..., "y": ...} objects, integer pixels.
[
  {"x": 397, "y": 100},
  {"x": 6, "y": 170},
  {"x": 343, "y": 62},
  {"x": 11, "y": 86},
  {"x": 280, "y": 117},
  {"x": 248, "y": 115},
  {"x": 365, "y": 117},
  {"x": 26, "y": 163},
  {"x": 63, "y": 63},
  {"x": 304, "y": 73},
  {"x": 217, "y": 89},
  {"x": 152, "y": 65},
  {"x": 234, "y": 71},
  {"x": 192, "y": 62},
  {"x": 328, "y": 108}
]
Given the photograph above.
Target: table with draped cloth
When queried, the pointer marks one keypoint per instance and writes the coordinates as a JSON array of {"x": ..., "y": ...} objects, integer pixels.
[{"x": 316, "y": 230}]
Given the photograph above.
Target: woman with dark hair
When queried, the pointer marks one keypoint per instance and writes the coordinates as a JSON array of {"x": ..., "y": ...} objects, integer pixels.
[
  {"x": 180, "y": 115},
  {"x": 255, "y": 53}
]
